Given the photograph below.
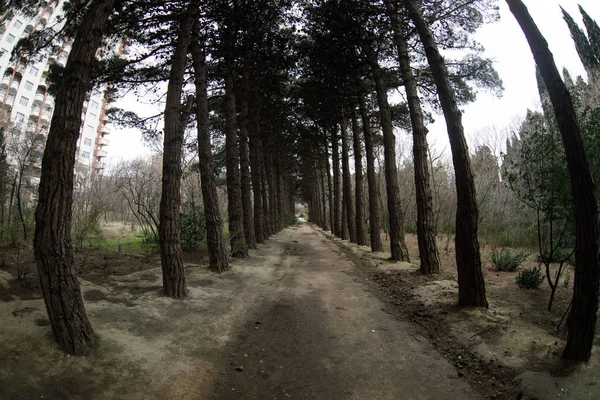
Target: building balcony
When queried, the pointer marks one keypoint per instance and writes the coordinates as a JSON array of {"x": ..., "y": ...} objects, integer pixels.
[
  {"x": 45, "y": 119},
  {"x": 103, "y": 142},
  {"x": 38, "y": 98},
  {"x": 34, "y": 114},
  {"x": 105, "y": 130},
  {"x": 10, "y": 101},
  {"x": 99, "y": 165},
  {"x": 62, "y": 60},
  {"x": 5, "y": 82},
  {"x": 101, "y": 153},
  {"x": 29, "y": 28},
  {"x": 46, "y": 16},
  {"x": 14, "y": 86},
  {"x": 105, "y": 119}
]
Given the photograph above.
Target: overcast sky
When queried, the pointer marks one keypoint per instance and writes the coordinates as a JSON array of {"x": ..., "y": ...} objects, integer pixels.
[{"x": 505, "y": 43}]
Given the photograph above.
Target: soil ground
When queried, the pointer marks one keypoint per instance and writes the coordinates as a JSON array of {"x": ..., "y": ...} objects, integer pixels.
[{"x": 307, "y": 316}]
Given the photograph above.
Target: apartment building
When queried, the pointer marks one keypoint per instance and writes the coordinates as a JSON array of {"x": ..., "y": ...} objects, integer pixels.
[{"x": 24, "y": 97}]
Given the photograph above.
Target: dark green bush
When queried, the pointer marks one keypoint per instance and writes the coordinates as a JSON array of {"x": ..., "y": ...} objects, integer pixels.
[
  {"x": 193, "y": 229},
  {"x": 506, "y": 260},
  {"x": 530, "y": 278},
  {"x": 289, "y": 220}
]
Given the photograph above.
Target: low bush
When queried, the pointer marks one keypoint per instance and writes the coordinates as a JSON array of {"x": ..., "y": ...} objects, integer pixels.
[
  {"x": 530, "y": 278},
  {"x": 193, "y": 228},
  {"x": 506, "y": 260},
  {"x": 289, "y": 220}
]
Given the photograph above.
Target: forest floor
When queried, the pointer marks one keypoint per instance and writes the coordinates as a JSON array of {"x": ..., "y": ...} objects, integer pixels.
[{"x": 306, "y": 316}]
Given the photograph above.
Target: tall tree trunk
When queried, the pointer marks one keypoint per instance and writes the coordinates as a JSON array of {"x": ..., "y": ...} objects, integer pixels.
[
  {"x": 19, "y": 204},
  {"x": 428, "y": 252},
  {"x": 256, "y": 164},
  {"x": 471, "y": 286},
  {"x": 581, "y": 323},
  {"x": 246, "y": 177},
  {"x": 280, "y": 195},
  {"x": 398, "y": 246},
  {"x": 374, "y": 223},
  {"x": 52, "y": 239},
  {"x": 170, "y": 201},
  {"x": 321, "y": 167},
  {"x": 329, "y": 186},
  {"x": 239, "y": 249},
  {"x": 265, "y": 200},
  {"x": 347, "y": 183},
  {"x": 335, "y": 160},
  {"x": 214, "y": 228},
  {"x": 358, "y": 176},
  {"x": 272, "y": 195}
]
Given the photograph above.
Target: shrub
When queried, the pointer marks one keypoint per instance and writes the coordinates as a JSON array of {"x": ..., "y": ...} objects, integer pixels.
[
  {"x": 289, "y": 220},
  {"x": 193, "y": 227},
  {"x": 530, "y": 278},
  {"x": 505, "y": 260}
]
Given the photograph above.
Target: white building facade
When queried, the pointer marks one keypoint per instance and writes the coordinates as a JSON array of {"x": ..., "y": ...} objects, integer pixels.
[{"x": 26, "y": 102}]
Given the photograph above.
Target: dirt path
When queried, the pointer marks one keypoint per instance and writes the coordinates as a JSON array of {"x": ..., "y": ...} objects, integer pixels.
[
  {"x": 295, "y": 320},
  {"x": 320, "y": 335}
]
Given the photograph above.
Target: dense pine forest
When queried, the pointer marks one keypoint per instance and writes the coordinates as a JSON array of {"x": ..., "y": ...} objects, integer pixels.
[{"x": 278, "y": 113}]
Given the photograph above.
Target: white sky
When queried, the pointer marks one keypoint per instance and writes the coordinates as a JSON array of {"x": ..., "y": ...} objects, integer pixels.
[{"x": 504, "y": 42}]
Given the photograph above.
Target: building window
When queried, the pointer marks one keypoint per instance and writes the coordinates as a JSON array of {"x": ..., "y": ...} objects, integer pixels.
[
  {"x": 87, "y": 142},
  {"x": 24, "y": 101},
  {"x": 10, "y": 38},
  {"x": 93, "y": 116},
  {"x": 34, "y": 71},
  {"x": 20, "y": 117},
  {"x": 85, "y": 155},
  {"x": 18, "y": 24},
  {"x": 28, "y": 85},
  {"x": 95, "y": 105}
]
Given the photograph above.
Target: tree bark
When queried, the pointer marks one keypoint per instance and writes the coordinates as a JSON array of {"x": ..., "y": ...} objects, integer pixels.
[
  {"x": 471, "y": 286},
  {"x": 347, "y": 184},
  {"x": 237, "y": 239},
  {"x": 329, "y": 187},
  {"x": 256, "y": 164},
  {"x": 335, "y": 161},
  {"x": 214, "y": 228},
  {"x": 428, "y": 252},
  {"x": 374, "y": 223},
  {"x": 581, "y": 323},
  {"x": 265, "y": 199},
  {"x": 398, "y": 246},
  {"x": 246, "y": 177},
  {"x": 359, "y": 180},
  {"x": 170, "y": 201},
  {"x": 321, "y": 167},
  {"x": 52, "y": 238}
]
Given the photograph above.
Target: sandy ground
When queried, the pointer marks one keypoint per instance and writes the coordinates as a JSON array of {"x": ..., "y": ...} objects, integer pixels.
[
  {"x": 293, "y": 321},
  {"x": 307, "y": 316}
]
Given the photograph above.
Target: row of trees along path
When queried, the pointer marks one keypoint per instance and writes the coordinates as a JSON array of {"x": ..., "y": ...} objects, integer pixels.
[{"x": 298, "y": 88}]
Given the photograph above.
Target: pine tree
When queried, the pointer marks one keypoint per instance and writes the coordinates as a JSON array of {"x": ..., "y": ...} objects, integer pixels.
[{"x": 581, "y": 323}]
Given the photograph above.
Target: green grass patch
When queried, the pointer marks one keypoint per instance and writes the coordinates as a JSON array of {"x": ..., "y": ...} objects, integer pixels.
[{"x": 131, "y": 243}]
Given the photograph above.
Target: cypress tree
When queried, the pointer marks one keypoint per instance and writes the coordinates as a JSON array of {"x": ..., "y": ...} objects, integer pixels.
[
  {"x": 593, "y": 31},
  {"x": 584, "y": 49}
]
